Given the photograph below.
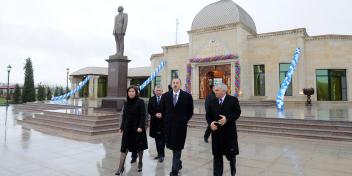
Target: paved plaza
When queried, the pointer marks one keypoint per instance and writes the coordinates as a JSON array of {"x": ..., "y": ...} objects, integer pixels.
[{"x": 43, "y": 152}]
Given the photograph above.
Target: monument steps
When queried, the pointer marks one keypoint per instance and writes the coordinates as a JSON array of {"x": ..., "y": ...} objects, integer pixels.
[
  {"x": 40, "y": 107},
  {"x": 298, "y": 135},
  {"x": 312, "y": 129},
  {"x": 96, "y": 117},
  {"x": 315, "y": 124},
  {"x": 83, "y": 122},
  {"x": 58, "y": 129},
  {"x": 78, "y": 129},
  {"x": 69, "y": 118}
]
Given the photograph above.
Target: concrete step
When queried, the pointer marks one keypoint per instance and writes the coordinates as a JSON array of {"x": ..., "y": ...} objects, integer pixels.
[
  {"x": 50, "y": 105},
  {"x": 294, "y": 120},
  {"x": 285, "y": 133},
  {"x": 61, "y": 130},
  {"x": 199, "y": 117},
  {"x": 82, "y": 121},
  {"x": 43, "y": 105},
  {"x": 298, "y": 135},
  {"x": 299, "y": 124},
  {"x": 70, "y": 126},
  {"x": 95, "y": 117},
  {"x": 297, "y": 130}
]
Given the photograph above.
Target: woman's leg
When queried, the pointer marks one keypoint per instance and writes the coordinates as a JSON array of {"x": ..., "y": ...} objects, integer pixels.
[{"x": 122, "y": 161}]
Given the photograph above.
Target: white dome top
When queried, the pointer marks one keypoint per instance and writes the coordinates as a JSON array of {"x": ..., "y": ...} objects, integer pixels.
[{"x": 221, "y": 13}]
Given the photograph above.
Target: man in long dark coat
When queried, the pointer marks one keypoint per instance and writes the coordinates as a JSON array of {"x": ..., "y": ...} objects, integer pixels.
[
  {"x": 209, "y": 98},
  {"x": 221, "y": 116},
  {"x": 177, "y": 110},
  {"x": 156, "y": 130}
]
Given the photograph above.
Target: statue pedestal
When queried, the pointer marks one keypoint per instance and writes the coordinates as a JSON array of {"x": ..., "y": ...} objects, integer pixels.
[{"x": 117, "y": 82}]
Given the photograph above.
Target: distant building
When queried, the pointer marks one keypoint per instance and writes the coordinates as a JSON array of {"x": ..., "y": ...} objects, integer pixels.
[
  {"x": 97, "y": 86},
  {"x": 3, "y": 90}
]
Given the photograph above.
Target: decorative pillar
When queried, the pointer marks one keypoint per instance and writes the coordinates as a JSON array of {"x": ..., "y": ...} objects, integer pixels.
[
  {"x": 76, "y": 83},
  {"x": 91, "y": 88},
  {"x": 95, "y": 81},
  {"x": 195, "y": 82}
]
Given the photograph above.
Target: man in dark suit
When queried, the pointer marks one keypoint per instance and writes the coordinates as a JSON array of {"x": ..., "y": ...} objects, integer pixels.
[
  {"x": 156, "y": 130},
  {"x": 221, "y": 116},
  {"x": 177, "y": 110},
  {"x": 209, "y": 98}
]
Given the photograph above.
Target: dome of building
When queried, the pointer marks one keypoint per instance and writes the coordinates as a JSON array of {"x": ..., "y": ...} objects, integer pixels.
[{"x": 221, "y": 13}]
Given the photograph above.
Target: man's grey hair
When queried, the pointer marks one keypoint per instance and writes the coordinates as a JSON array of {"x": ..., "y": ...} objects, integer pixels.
[
  {"x": 221, "y": 86},
  {"x": 158, "y": 87}
]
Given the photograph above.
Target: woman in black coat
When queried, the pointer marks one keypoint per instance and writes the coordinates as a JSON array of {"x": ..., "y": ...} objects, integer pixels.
[{"x": 134, "y": 137}]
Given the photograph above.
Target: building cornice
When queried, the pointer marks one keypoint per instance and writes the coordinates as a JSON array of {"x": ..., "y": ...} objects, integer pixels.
[
  {"x": 156, "y": 55},
  {"x": 301, "y": 31},
  {"x": 221, "y": 28},
  {"x": 175, "y": 46},
  {"x": 329, "y": 37}
]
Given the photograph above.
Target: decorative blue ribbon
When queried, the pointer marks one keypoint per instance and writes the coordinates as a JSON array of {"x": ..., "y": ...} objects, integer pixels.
[
  {"x": 287, "y": 81},
  {"x": 72, "y": 92},
  {"x": 152, "y": 77}
]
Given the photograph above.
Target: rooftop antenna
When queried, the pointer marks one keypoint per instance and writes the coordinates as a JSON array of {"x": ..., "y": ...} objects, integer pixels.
[{"x": 177, "y": 23}]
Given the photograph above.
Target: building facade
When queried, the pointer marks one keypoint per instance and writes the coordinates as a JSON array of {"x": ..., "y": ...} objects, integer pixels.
[{"x": 224, "y": 46}]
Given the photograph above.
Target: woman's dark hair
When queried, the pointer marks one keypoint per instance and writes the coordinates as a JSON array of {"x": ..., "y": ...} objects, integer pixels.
[
  {"x": 169, "y": 87},
  {"x": 135, "y": 89}
]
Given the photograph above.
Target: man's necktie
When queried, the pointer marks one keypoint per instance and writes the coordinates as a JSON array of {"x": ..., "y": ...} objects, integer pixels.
[{"x": 175, "y": 99}]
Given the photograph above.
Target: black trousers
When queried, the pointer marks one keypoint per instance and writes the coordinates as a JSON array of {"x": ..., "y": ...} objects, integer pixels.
[
  {"x": 219, "y": 165},
  {"x": 176, "y": 161},
  {"x": 134, "y": 155},
  {"x": 160, "y": 145},
  {"x": 207, "y": 132}
]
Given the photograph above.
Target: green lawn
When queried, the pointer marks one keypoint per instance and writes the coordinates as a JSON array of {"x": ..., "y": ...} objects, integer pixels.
[{"x": 2, "y": 101}]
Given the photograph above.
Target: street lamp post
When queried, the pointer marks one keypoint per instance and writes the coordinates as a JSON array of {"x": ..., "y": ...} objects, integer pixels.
[
  {"x": 8, "y": 85},
  {"x": 67, "y": 72}
]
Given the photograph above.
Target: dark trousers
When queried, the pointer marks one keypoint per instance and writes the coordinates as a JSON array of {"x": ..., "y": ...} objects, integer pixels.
[
  {"x": 160, "y": 145},
  {"x": 219, "y": 165},
  {"x": 176, "y": 161},
  {"x": 207, "y": 132},
  {"x": 134, "y": 155}
]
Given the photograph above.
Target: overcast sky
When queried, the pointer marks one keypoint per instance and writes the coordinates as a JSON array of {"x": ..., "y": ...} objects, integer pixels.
[{"x": 60, "y": 34}]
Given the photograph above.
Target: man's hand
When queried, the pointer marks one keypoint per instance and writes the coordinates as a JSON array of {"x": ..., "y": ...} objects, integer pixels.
[
  {"x": 120, "y": 131},
  {"x": 139, "y": 130},
  {"x": 158, "y": 115},
  {"x": 222, "y": 121},
  {"x": 213, "y": 126}
]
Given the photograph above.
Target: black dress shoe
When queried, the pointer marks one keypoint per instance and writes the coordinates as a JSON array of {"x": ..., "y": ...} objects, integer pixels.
[
  {"x": 157, "y": 157},
  {"x": 161, "y": 159},
  {"x": 140, "y": 166},
  {"x": 133, "y": 160},
  {"x": 119, "y": 172},
  {"x": 173, "y": 174}
]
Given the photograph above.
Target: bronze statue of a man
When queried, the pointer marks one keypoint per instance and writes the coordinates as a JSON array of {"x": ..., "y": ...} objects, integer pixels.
[{"x": 120, "y": 30}]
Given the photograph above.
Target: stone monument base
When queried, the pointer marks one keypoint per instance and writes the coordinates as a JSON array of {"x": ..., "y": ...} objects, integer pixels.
[
  {"x": 117, "y": 82},
  {"x": 113, "y": 102}
]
